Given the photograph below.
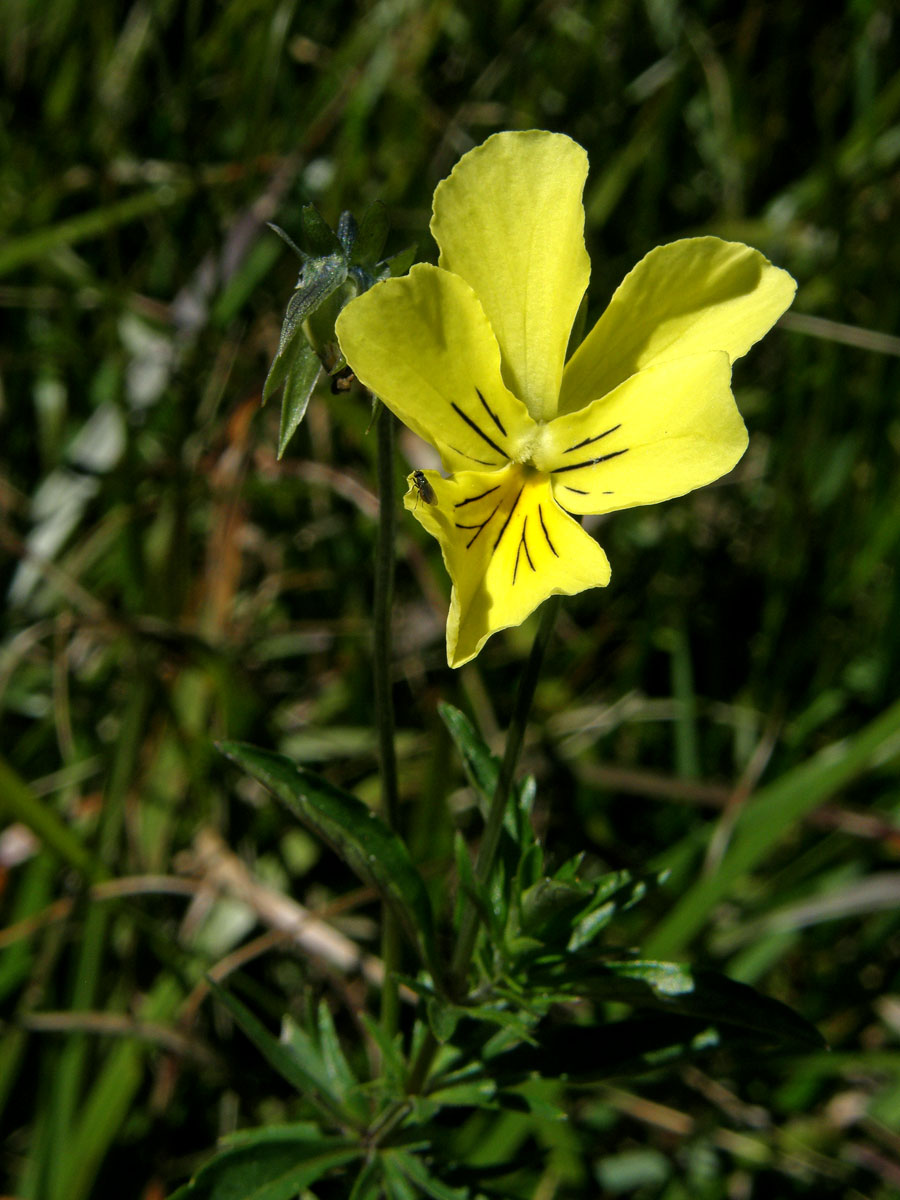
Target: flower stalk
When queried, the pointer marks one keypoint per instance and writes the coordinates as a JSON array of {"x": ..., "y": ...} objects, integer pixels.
[
  {"x": 515, "y": 738},
  {"x": 383, "y": 692},
  {"x": 487, "y": 850}
]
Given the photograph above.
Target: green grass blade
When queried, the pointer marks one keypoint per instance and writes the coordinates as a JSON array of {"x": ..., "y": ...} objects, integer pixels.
[
  {"x": 775, "y": 809},
  {"x": 32, "y": 246},
  {"x": 18, "y": 801}
]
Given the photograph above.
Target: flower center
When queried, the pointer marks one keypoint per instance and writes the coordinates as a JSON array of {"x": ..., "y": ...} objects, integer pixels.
[{"x": 529, "y": 447}]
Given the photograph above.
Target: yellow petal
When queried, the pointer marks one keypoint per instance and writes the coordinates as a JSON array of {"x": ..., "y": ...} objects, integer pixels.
[
  {"x": 423, "y": 344},
  {"x": 689, "y": 297},
  {"x": 507, "y": 546},
  {"x": 509, "y": 220},
  {"x": 661, "y": 433}
]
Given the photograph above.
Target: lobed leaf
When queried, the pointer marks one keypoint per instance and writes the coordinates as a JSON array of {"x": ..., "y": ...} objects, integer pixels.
[{"x": 272, "y": 1163}]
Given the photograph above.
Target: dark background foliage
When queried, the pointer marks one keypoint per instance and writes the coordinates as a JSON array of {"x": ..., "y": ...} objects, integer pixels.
[{"x": 169, "y": 582}]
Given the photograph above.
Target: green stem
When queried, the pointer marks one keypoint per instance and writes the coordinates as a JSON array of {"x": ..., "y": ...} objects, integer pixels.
[
  {"x": 468, "y": 931},
  {"x": 384, "y": 699}
]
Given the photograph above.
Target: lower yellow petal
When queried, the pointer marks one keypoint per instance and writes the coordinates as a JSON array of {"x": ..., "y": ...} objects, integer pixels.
[
  {"x": 507, "y": 546},
  {"x": 690, "y": 297},
  {"x": 663, "y": 432}
]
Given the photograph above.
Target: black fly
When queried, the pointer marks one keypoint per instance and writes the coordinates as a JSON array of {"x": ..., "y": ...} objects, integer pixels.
[{"x": 424, "y": 488}]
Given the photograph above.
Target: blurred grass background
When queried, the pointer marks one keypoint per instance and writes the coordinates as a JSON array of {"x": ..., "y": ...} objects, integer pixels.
[{"x": 728, "y": 707}]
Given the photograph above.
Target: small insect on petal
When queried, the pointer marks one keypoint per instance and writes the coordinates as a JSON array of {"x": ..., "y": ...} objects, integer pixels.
[{"x": 424, "y": 488}]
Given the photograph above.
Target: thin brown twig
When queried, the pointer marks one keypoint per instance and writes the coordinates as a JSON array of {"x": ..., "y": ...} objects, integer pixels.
[
  {"x": 222, "y": 870},
  {"x": 106, "y": 1024},
  {"x": 837, "y": 331},
  {"x": 134, "y": 885},
  {"x": 270, "y": 940},
  {"x": 743, "y": 789},
  {"x": 744, "y": 1146}
]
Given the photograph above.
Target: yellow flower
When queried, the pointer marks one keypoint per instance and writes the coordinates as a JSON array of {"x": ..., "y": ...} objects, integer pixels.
[{"x": 471, "y": 355}]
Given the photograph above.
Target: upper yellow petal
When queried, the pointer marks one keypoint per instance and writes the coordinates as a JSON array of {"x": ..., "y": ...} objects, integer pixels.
[
  {"x": 507, "y": 546},
  {"x": 665, "y": 431},
  {"x": 689, "y": 297},
  {"x": 423, "y": 344},
  {"x": 509, "y": 220}
]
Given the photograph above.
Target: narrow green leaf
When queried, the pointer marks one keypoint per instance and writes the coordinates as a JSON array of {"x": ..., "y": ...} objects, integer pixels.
[
  {"x": 298, "y": 388},
  {"x": 37, "y": 883},
  {"x": 282, "y": 1058},
  {"x": 505, "y": 1023},
  {"x": 589, "y": 1053},
  {"x": 103, "y": 1105},
  {"x": 393, "y": 1064},
  {"x": 549, "y": 898},
  {"x": 416, "y": 1172},
  {"x": 614, "y": 893},
  {"x": 340, "y": 1074},
  {"x": 41, "y": 242},
  {"x": 317, "y": 234},
  {"x": 400, "y": 263},
  {"x": 481, "y": 1093},
  {"x": 442, "y": 1018},
  {"x": 367, "y": 1185},
  {"x": 543, "y": 1098},
  {"x": 519, "y": 810},
  {"x": 397, "y": 1186},
  {"x": 289, "y": 343},
  {"x": 572, "y": 869},
  {"x": 305, "y": 1132},
  {"x": 308, "y": 1054},
  {"x": 372, "y": 235},
  {"x": 287, "y": 239},
  {"x": 237, "y": 289},
  {"x": 468, "y": 885},
  {"x": 18, "y": 801},
  {"x": 481, "y": 766},
  {"x": 103, "y": 1110},
  {"x": 356, "y": 833},
  {"x": 482, "y": 770},
  {"x": 274, "y": 1164},
  {"x": 767, "y": 818},
  {"x": 319, "y": 278},
  {"x": 677, "y": 988},
  {"x": 347, "y": 230},
  {"x": 531, "y": 867}
]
